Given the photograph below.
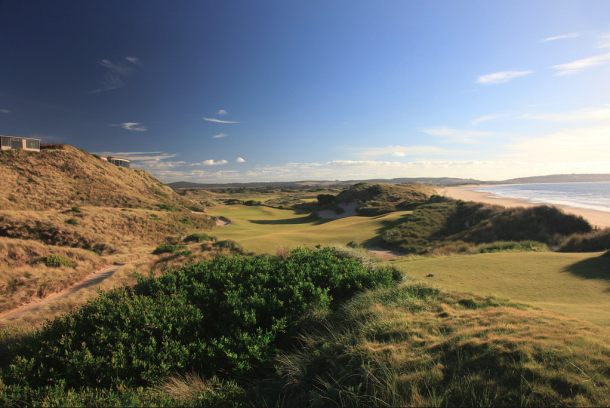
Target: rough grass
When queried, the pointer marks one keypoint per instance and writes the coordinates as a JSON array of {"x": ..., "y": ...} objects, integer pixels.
[
  {"x": 66, "y": 176},
  {"x": 24, "y": 275},
  {"x": 418, "y": 346},
  {"x": 103, "y": 230},
  {"x": 575, "y": 284}
]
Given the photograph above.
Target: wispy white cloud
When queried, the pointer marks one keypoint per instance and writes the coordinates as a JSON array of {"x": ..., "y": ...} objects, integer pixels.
[
  {"x": 457, "y": 135},
  {"x": 579, "y": 65},
  {"x": 399, "y": 151},
  {"x": 561, "y": 37},
  {"x": 219, "y": 121},
  {"x": 604, "y": 41},
  {"x": 113, "y": 78},
  {"x": 129, "y": 126},
  {"x": 240, "y": 160},
  {"x": 220, "y": 135},
  {"x": 222, "y": 112},
  {"x": 5, "y": 111},
  {"x": 133, "y": 60},
  {"x": 141, "y": 156},
  {"x": 499, "y": 77},
  {"x": 582, "y": 115},
  {"x": 210, "y": 163},
  {"x": 364, "y": 163},
  {"x": 476, "y": 121}
]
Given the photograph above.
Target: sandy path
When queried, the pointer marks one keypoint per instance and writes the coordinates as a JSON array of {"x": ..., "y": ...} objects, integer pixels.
[
  {"x": 596, "y": 218},
  {"x": 385, "y": 253},
  {"x": 92, "y": 279}
]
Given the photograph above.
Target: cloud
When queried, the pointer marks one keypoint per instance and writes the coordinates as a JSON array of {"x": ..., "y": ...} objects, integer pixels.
[
  {"x": 210, "y": 163},
  {"x": 5, "y": 111},
  {"x": 587, "y": 114},
  {"x": 129, "y": 126},
  {"x": 240, "y": 160},
  {"x": 561, "y": 37},
  {"x": 604, "y": 41},
  {"x": 476, "y": 121},
  {"x": 364, "y": 163},
  {"x": 579, "y": 65},
  {"x": 456, "y": 135},
  {"x": 133, "y": 60},
  {"x": 218, "y": 120},
  {"x": 222, "y": 112},
  {"x": 400, "y": 151},
  {"x": 140, "y": 156},
  {"x": 220, "y": 135},
  {"x": 499, "y": 77},
  {"x": 113, "y": 78}
]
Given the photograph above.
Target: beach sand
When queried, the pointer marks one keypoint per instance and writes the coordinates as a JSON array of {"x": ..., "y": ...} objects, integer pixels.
[{"x": 600, "y": 219}]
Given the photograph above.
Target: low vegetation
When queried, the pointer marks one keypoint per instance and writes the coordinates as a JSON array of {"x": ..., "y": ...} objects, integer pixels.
[
  {"x": 377, "y": 198},
  {"x": 442, "y": 226}
]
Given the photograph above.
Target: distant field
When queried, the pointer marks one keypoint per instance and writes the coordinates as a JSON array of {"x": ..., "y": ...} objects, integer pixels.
[
  {"x": 261, "y": 229},
  {"x": 573, "y": 283}
]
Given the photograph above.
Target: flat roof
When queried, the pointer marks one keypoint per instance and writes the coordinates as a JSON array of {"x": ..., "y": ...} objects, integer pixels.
[
  {"x": 20, "y": 137},
  {"x": 118, "y": 158}
]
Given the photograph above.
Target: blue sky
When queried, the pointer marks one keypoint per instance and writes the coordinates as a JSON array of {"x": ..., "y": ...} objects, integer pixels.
[{"x": 222, "y": 91}]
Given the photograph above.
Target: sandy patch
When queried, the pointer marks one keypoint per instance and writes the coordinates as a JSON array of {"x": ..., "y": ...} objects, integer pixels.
[
  {"x": 221, "y": 221},
  {"x": 350, "y": 211},
  {"x": 385, "y": 253},
  {"x": 596, "y": 218}
]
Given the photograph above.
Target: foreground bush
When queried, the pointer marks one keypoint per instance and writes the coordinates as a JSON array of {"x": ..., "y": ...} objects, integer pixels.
[
  {"x": 56, "y": 261},
  {"x": 225, "y": 315},
  {"x": 198, "y": 238},
  {"x": 167, "y": 249},
  {"x": 595, "y": 241}
]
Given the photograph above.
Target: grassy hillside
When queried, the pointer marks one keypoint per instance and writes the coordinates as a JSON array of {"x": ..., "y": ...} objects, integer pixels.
[
  {"x": 66, "y": 176},
  {"x": 62, "y": 199},
  {"x": 377, "y": 198},
  {"x": 575, "y": 284},
  {"x": 442, "y": 226}
]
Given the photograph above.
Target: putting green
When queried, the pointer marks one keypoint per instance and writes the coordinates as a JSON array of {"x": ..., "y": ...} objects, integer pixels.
[
  {"x": 573, "y": 283},
  {"x": 261, "y": 229}
]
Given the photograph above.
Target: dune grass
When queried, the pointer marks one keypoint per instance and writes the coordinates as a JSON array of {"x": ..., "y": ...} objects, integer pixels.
[
  {"x": 573, "y": 283},
  {"x": 262, "y": 229}
]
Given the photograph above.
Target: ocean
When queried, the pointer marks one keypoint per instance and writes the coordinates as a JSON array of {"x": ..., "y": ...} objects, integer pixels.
[{"x": 590, "y": 196}]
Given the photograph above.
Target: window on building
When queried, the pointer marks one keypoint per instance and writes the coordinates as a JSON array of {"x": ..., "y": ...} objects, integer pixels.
[
  {"x": 16, "y": 143},
  {"x": 6, "y": 141},
  {"x": 32, "y": 144}
]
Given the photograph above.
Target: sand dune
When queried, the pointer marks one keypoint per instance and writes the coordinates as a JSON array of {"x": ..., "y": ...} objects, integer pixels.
[{"x": 600, "y": 219}]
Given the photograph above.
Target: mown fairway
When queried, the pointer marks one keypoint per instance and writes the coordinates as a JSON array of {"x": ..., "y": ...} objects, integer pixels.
[
  {"x": 261, "y": 229},
  {"x": 573, "y": 283}
]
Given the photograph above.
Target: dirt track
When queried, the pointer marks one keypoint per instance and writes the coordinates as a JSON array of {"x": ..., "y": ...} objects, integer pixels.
[{"x": 92, "y": 279}]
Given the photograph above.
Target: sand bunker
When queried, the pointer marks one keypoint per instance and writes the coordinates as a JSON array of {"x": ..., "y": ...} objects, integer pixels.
[
  {"x": 221, "y": 221},
  {"x": 350, "y": 211}
]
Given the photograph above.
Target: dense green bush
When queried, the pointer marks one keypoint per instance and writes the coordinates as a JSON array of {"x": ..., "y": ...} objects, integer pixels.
[
  {"x": 233, "y": 201},
  {"x": 165, "y": 249},
  {"x": 72, "y": 221},
  {"x": 324, "y": 199},
  {"x": 198, "y": 238},
  {"x": 592, "y": 242},
  {"x": 227, "y": 314},
  {"x": 55, "y": 261},
  {"x": 231, "y": 245},
  {"x": 252, "y": 203},
  {"x": 167, "y": 207}
]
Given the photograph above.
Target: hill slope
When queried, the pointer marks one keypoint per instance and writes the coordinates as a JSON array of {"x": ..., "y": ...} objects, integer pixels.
[{"x": 66, "y": 176}]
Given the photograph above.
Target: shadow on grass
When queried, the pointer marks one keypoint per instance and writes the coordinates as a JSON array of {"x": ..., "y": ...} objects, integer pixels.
[
  {"x": 386, "y": 225},
  {"x": 308, "y": 219},
  {"x": 592, "y": 268}
]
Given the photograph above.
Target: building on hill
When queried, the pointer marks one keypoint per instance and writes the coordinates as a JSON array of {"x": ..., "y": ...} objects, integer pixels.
[
  {"x": 118, "y": 161},
  {"x": 19, "y": 143}
]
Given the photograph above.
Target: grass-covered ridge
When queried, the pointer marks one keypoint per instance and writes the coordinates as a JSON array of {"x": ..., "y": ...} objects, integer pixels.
[{"x": 443, "y": 226}]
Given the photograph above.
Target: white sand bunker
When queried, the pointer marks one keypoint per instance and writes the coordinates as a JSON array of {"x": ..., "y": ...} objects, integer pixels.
[
  {"x": 350, "y": 211},
  {"x": 221, "y": 221}
]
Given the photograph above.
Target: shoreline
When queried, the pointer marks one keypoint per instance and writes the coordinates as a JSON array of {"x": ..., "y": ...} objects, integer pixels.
[{"x": 600, "y": 219}]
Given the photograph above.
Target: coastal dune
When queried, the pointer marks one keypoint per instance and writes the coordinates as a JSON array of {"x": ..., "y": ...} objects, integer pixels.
[{"x": 600, "y": 219}]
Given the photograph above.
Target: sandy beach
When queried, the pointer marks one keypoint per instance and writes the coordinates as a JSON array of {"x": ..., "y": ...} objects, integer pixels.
[{"x": 600, "y": 219}]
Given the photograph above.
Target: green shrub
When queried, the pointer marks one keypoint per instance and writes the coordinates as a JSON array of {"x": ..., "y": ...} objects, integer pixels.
[
  {"x": 228, "y": 314},
  {"x": 55, "y": 261},
  {"x": 354, "y": 244},
  {"x": 167, "y": 207},
  {"x": 76, "y": 209},
  {"x": 324, "y": 199},
  {"x": 183, "y": 253},
  {"x": 231, "y": 245},
  {"x": 97, "y": 156},
  {"x": 592, "y": 242},
  {"x": 165, "y": 249},
  {"x": 72, "y": 221},
  {"x": 233, "y": 201},
  {"x": 159, "y": 193},
  {"x": 252, "y": 203},
  {"x": 198, "y": 238}
]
